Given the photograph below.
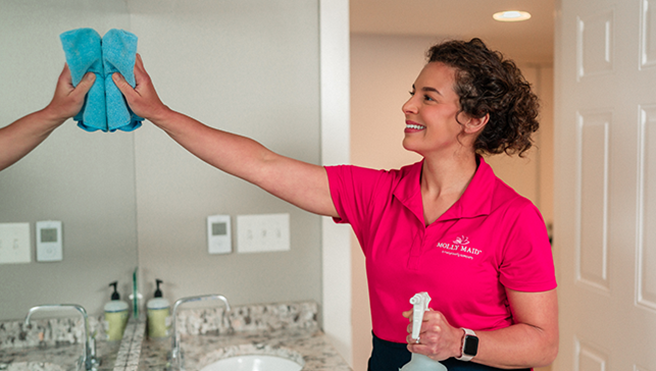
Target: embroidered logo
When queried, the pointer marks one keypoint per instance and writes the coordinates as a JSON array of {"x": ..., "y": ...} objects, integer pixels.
[
  {"x": 459, "y": 248},
  {"x": 462, "y": 240}
]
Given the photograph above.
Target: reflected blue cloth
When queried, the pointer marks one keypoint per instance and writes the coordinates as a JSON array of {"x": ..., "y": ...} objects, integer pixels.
[
  {"x": 84, "y": 54},
  {"x": 105, "y": 108}
]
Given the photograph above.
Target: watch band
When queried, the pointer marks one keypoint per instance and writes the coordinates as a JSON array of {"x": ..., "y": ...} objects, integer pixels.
[{"x": 469, "y": 345}]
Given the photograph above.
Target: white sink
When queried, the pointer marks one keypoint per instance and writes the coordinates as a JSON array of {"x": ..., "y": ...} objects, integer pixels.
[{"x": 256, "y": 362}]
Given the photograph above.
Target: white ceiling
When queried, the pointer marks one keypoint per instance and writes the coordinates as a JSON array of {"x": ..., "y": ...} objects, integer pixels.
[{"x": 528, "y": 41}]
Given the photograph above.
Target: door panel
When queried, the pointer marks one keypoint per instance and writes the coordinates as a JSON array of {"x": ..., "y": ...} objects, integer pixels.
[{"x": 605, "y": 191}]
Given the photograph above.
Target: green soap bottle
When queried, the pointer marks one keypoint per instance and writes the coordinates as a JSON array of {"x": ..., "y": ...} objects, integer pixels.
[
  {"x": 159, "y": 319},
  {"x": 116, "y": 315}
]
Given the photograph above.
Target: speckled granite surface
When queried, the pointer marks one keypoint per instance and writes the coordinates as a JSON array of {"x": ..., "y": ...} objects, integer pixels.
[
  {"x": 288, "y": 330},
  {"x": 53, "y": 358},
  {"x": 307, "y": 346},
  {"x": 47, "y": 332}
]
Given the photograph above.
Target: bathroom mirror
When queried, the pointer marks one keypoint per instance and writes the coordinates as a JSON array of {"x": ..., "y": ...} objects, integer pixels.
[
  {"x": 250, "y": 67},
  {"x": 85, "y": 180}
]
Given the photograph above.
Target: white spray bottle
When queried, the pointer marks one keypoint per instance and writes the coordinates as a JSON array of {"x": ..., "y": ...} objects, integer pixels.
[{"x": 420, "y": 362}]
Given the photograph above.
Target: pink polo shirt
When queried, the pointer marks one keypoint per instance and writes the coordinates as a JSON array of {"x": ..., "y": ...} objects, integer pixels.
[{"x": 489, "y": 240}]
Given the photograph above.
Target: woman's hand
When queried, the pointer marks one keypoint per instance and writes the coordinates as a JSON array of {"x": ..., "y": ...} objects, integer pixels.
[
  {"x": 142, "y": 99},
  {"x": 437, "y": 338},
  {"x": 532, "y": 341},
  {"x": 23, "y": 135},
  {"x": 68, "y": 99}
]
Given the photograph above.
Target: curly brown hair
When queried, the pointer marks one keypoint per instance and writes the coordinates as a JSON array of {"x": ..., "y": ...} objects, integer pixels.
[{"x": 489, "y": 84}]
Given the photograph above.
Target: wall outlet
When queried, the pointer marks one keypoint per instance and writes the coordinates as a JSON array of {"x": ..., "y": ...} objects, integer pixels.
[
  {"x": 262, "y": 233},
  {"x": 15, "y": 243}
]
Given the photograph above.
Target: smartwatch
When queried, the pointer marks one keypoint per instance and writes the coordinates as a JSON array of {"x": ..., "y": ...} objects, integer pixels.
[{"x": 469, "y": 345}]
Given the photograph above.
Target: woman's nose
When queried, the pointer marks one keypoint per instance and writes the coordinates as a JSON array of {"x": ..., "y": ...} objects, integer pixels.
[{"x": 409, "y": 106}]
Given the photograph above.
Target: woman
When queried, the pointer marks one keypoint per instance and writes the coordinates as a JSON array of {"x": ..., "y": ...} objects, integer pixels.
[
  {"x": 23, "y": 135},
  {"x": 445, "y": 225}
]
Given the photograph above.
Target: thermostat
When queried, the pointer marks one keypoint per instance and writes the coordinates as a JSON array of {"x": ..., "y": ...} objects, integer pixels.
[
  {"x": 49, "y": 241},
  {"x": 219, "y": 236}
]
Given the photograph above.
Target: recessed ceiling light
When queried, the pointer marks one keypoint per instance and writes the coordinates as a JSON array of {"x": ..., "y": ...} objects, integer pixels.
[{"x": 512, "y": 16}]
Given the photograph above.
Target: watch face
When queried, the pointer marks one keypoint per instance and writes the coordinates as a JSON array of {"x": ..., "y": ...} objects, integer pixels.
[{"x": 471, "y": 345}]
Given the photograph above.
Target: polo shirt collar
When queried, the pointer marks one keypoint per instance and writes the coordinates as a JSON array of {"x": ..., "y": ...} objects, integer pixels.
[{"x": 475, "y": 201}]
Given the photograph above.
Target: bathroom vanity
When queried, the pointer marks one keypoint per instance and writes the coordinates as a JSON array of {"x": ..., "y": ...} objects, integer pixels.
[{"x": 207, "y": 334}]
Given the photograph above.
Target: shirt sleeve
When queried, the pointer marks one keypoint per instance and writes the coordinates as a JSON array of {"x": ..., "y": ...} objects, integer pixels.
[
  {"x": 352, "y": 189},
  {"x": 527, "y": 262}
]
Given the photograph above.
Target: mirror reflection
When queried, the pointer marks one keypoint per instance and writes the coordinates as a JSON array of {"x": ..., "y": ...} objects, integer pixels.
[
  {"x": 138, "y": 198},
  {"x": 85, "y": 181}
]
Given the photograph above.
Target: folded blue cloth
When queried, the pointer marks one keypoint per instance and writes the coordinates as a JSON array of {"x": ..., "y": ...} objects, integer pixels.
[
  {"x": 119, "y": 50},
  {"x": 84, "y": 54},
  {"x": 105, "y": 107}
]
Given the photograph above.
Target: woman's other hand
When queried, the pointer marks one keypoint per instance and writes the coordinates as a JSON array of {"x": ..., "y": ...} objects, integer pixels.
[{"x": 437, "y": 338}]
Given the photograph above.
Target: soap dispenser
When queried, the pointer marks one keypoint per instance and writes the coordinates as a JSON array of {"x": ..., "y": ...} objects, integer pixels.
[
  {"x": 420, "y": 362},
  {"x": 116, "y": 315},
  {"x": 159, "y": 320}
]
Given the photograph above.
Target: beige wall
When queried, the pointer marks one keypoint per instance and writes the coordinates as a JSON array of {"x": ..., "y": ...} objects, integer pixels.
[{"x": 383, "y": 69}]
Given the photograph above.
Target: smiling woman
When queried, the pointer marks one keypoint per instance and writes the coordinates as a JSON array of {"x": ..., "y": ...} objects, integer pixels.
[{"x": 465, "y": 92}]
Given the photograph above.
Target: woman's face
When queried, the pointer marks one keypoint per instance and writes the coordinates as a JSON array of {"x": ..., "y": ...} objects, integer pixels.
[{"x": 430, "y": 113}]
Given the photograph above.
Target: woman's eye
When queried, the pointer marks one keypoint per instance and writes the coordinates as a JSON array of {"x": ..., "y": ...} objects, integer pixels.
[
  {"x": 411, "y": 93},
  {"x": 426, "y": 97}
]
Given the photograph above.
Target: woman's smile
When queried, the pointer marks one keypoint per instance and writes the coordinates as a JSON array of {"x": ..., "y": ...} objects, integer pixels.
[{"x": 411, "y": 127}]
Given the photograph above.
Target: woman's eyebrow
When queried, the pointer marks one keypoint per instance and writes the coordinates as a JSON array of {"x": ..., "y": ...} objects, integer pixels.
[{"x": 428, "y": 88}]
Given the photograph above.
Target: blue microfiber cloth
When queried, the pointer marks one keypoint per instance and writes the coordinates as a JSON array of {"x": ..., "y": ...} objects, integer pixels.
[
  {"x": 119, "y": 51},
  {"x": 84, "y": 54},
  {"x": 105, "y": 107}
]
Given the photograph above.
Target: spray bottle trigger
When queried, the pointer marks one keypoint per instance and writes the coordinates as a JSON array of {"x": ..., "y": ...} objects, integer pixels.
[{"x": 420, "y": 305}]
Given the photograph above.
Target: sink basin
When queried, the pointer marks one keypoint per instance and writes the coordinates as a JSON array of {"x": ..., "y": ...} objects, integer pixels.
[{"x": 255, "y": 362}]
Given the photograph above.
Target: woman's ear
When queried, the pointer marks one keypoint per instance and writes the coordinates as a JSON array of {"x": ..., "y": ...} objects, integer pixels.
[{"x": 476, "y": 125}]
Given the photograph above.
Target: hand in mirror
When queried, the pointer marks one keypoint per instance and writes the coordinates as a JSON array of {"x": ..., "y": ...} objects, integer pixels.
[{"x": 23, "y": 135}]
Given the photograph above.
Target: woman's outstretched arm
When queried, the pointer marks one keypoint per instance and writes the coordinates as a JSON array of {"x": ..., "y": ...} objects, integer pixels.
[{"x": 302, "y": 184}]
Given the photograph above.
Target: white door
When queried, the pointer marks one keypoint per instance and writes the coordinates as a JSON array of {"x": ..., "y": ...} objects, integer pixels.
[{"x": 605, "y": 184}]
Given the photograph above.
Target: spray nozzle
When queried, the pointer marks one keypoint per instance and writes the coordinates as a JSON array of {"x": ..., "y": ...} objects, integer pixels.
[
  {"x": 115, "y": 295},
  {"x": 158, "y": 292},
  {"x": 420, "y": 305}
]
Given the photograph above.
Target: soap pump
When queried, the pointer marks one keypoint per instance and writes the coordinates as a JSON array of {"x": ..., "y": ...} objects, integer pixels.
[
  {"x": 420, "y": 362},
  {"x": 159, "y": 319},
  {"x": 116, "y": 315}
]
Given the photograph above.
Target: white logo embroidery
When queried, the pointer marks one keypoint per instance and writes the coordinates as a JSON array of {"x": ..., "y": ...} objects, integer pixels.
[
  {"x": 459, "y": 248},
  {"x": 462, "y": 240}
]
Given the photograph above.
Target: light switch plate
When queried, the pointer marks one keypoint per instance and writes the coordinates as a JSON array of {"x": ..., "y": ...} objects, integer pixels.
[
  {"x": 262, "y": 233},
  {"x": 49, "y": 244},
  {"x": 15, "y": 243}
]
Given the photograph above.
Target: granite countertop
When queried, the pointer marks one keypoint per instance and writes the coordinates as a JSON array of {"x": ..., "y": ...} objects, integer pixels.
[
  {"x": 54, "y": 358},
  {"x": 307, "y": 346},
  {"x": 289, "y": 330}
]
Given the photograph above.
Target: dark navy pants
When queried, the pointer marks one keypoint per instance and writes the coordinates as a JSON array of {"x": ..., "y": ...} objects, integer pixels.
[{"x": 389, "y": 356}]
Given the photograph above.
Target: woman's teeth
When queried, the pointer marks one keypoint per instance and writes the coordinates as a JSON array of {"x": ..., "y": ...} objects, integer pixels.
[{"x": 415, "y": 127}]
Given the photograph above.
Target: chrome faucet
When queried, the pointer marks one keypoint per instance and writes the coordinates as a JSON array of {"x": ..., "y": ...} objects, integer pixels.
[
  {"x": 89, "y": 356},
  {"x": 176, "y": 353}
]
